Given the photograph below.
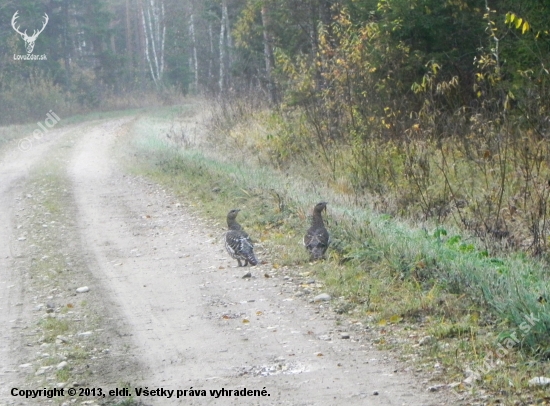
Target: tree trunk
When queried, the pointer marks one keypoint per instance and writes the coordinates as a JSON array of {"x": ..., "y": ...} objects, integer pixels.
[
  {"x": 268, "y": 54},
  {"x": 194, "y": 57},
  {"x": 141, "y": 43},
  {"x": 155, "y": 33},
  {"x": 129, "y": 47},
  {"x": 325, "y": 12},
  {"x": 211, "y": 57},
  {"x": 222, "y": 80},
  {"x": 67, "y": 43},
  {"x": 229, "y": 41}
]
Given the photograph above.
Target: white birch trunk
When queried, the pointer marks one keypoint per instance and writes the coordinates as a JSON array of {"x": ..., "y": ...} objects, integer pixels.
[
  {"x": 211, "y": 59},
  {"x": 147, "y": 48},
  {"x": 225, "y": 17},
  {"x": 195, "y": 59},
  {"x": 222, "y": 55},
  {"x": 162, "y": 39},
  {"x": 155, "y": 35}
]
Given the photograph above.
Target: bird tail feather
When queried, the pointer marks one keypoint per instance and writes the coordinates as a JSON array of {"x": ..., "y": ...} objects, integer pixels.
[{"x": 252, "y": 259}]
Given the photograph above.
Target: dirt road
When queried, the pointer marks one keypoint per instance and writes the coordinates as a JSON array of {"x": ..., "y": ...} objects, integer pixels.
[{"x": 171, "y": 298}]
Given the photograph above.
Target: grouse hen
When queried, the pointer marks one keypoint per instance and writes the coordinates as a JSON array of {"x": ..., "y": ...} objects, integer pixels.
[
  {"x": 317, "y": 238},
  {"x": 237, "y": 241}
]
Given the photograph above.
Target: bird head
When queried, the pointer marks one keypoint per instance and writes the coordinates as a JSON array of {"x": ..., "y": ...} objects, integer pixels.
[
  {"x": 233, "y": 214},
  {"x": 319, "y": 207}
]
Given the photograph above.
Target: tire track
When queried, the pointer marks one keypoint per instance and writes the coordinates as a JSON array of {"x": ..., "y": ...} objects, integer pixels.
[{"x": 15, "y": 165}]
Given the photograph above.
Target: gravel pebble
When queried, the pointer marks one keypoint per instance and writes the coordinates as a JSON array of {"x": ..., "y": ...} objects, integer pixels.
[
  {"x": 323, "y": 297},
  {"x": 427, "y": 340},
  {"x": 539, "y": 381}
]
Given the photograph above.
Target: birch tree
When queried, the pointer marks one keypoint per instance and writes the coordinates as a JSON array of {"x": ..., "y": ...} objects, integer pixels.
[
  {"x": 229, "y": 40},
  {"x": 223, "y": 69},
  {"x": 194, "y": 58},
  {"x": 212, "y": 55},
  {"x": 152, "y": 17}
]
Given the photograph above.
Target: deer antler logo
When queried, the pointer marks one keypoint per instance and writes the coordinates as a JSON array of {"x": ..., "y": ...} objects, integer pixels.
[{"x": 29, "y": 40}]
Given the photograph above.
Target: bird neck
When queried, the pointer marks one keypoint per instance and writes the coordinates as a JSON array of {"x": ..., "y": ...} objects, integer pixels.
[
  {"x": 233, "y": 225},
  {"x": 317, "y": 219}
]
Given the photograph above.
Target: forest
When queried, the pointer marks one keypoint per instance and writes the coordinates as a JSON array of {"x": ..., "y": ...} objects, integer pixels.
[{"x": 435, "y": 109}]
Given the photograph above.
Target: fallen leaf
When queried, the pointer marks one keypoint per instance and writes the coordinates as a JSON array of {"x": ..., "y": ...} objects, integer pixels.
[{"x": 395, "y": 319}]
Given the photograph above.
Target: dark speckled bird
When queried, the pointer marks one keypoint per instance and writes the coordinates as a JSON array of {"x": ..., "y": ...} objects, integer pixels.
[
  {"x": 317, "y": 238},
  {"x": 237, "y": 241}
]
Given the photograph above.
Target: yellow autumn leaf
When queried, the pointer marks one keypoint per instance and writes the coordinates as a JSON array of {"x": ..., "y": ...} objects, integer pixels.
[
  {"x": 509, "y": 18},
  {"x": 395, "y": 318},
  {"x": 246, "y": 321},
  {"x": 382, "y": 322}
]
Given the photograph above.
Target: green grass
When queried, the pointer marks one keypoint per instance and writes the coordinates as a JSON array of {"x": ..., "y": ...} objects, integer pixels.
[
  {"x": 63, "y": 375},
  {"x": 53, "y": 327},
  {"x": 392, "y": 274}
]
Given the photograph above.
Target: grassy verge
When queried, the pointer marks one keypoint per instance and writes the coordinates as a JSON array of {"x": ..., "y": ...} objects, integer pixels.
[{"x": 433, "y": 294}]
